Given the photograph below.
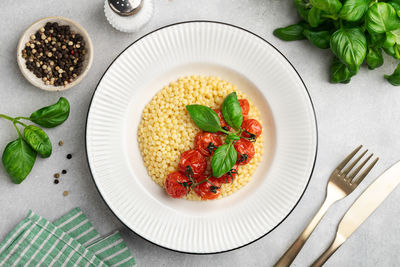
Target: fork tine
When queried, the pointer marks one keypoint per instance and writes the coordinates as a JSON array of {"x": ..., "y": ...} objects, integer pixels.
[
  {"x": 359, "y": 179},
  {"x": 356, "y": 181},
  {"x": 348, "y": 158},
  {"x": 358, "y": 169},
  {"x": 351, "y": 166}
]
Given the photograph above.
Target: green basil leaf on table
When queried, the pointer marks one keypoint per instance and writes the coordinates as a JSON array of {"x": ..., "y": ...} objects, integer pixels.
[
  {"x": 353, "y": 10},
  {"x": 303, "y": 7},
  {"x": 339, "y": 72},
  {"x": 223, "y": 160},
  {"x": 232, "y": 111},
  {"x": 38, "y": 140},
  {"x": 394, "y": 78},
  {"x": 381, "y": 17},
  {"x": 314, "y": 17},
  {"x": 18, "y": 159},
  {"x": 374, "y": 58},
  {"x": 204, "y": 117},
  {"x": 53, "y": 115},
  {"x": 291, "y": 32},
  {"x": 350, "y": 46},
  {"x": 330, "y": 6},
  {"x": 320, "y": 39}
]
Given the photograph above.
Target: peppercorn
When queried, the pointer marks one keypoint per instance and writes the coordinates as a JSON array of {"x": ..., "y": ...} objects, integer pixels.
[
  {"x": 69, "y": 156},
  {"x": 64, "y": 171},
  {"x": 56, "y": 175},
  {"x": 56, "y": 181},
  {"x": 61, "y": 143},
  {"x": 55, "y": 52}
]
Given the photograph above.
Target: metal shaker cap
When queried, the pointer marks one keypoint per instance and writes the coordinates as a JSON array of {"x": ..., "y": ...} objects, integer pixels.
[{"x": 125, "y": 7}]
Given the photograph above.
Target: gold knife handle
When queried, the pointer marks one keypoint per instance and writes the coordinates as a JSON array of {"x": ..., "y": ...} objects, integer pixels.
[
  {"x": 339, "y": 240},
  {"x": 295, "y": 248}
]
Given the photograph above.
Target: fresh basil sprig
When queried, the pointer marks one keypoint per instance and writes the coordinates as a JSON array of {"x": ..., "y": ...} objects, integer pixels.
[
  {"x": 356, "y": 31},
  {"x": 206, "y": 119},
  {"x": 19, "y": 155}
]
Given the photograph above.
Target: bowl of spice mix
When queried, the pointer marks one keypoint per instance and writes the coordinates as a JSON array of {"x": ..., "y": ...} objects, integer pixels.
[{"x": 54, "y": 53}]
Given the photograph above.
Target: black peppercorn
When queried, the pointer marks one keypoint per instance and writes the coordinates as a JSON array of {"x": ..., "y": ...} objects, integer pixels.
[
  {"x": 69, "y": 156},
  {"x": 54, "y": 46}
]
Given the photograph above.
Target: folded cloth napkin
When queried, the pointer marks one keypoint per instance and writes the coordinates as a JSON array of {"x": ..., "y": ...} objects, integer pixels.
[{"x": 70, "y": 241}]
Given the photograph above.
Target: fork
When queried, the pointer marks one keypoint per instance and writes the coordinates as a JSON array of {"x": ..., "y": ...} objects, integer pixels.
[{"x": 341, "y": 183}]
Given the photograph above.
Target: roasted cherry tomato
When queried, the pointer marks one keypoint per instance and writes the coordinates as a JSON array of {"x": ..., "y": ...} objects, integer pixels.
[
  {"x": 193, "y": 163},
  {"x": 230, "y": 175},
  {"x": 251, "y": 128},
  {"x": 244, "y": 104},
  {"x": 177, "y": 185},
  {"x": 221, "y": 118},
  {"x": 209, "y": 189},
  {"x": 245, "y": 151},
  {"x": 206, "y": 143}
]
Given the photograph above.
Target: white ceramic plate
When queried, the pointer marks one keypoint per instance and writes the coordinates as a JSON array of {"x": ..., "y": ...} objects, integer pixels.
[{"x": 259, "y": 70}]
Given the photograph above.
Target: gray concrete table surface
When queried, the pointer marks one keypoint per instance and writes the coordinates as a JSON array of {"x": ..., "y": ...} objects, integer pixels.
[{"x": 366, "y": 111}]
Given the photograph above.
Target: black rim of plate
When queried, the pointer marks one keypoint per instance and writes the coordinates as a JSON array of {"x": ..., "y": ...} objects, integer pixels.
[{"x": 305, "y": 87}]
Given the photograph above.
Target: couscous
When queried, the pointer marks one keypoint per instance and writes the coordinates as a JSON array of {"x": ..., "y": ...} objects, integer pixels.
[{"x": 167, "y": 131}]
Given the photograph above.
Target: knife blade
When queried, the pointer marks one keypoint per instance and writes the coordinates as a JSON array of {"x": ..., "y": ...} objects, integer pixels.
[{"x": 362, "y": 208}]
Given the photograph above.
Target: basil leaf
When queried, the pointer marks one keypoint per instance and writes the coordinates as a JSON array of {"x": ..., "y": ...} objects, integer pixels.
[
  {"x": 376, "y": 40},
  {"x": 350, "y": 46},
  {"x": 223, "y": 159},
  {"x": 381, "y": 17},
  {"x": 390, "y": 51},
  {"x": 339, "y": 72},
  {"x": 314, "y": 17},
  {"x": 204, "y": 117},
  {"x": 390, "y": 40},
  {"x": 232, "y": 111},
  {"x": 303, "y": 7},
  {"x": 396, "y": 7},
  {"x": 353, "y": 10},
  {"x": 52, "y": 116},
  {"x": 374, "y": 58},
  {"x": 320, "y": 39},
  {"x": 394, "y": 78},
  {"x": 18, "y": 159},
  {"x": 330, "y": 6},
  {"x": 38, "y": 140},
  {"x": 291, "y": 32}
]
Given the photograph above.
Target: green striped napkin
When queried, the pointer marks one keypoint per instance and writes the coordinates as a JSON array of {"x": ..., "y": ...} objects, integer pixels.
[{"x": 70, "y": 241}]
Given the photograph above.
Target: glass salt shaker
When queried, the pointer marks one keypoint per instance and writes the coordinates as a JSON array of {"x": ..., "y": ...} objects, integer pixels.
[{"x": 128, "y": 15}]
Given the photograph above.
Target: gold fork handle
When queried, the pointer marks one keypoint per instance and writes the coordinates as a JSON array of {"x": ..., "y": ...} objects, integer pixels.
[
  {"x": 332, "y": 248},
  {"x": 295, "y": 248}
]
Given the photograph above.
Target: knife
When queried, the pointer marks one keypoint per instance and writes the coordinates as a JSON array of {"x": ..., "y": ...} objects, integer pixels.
[{"x": 364, "y": 206}]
